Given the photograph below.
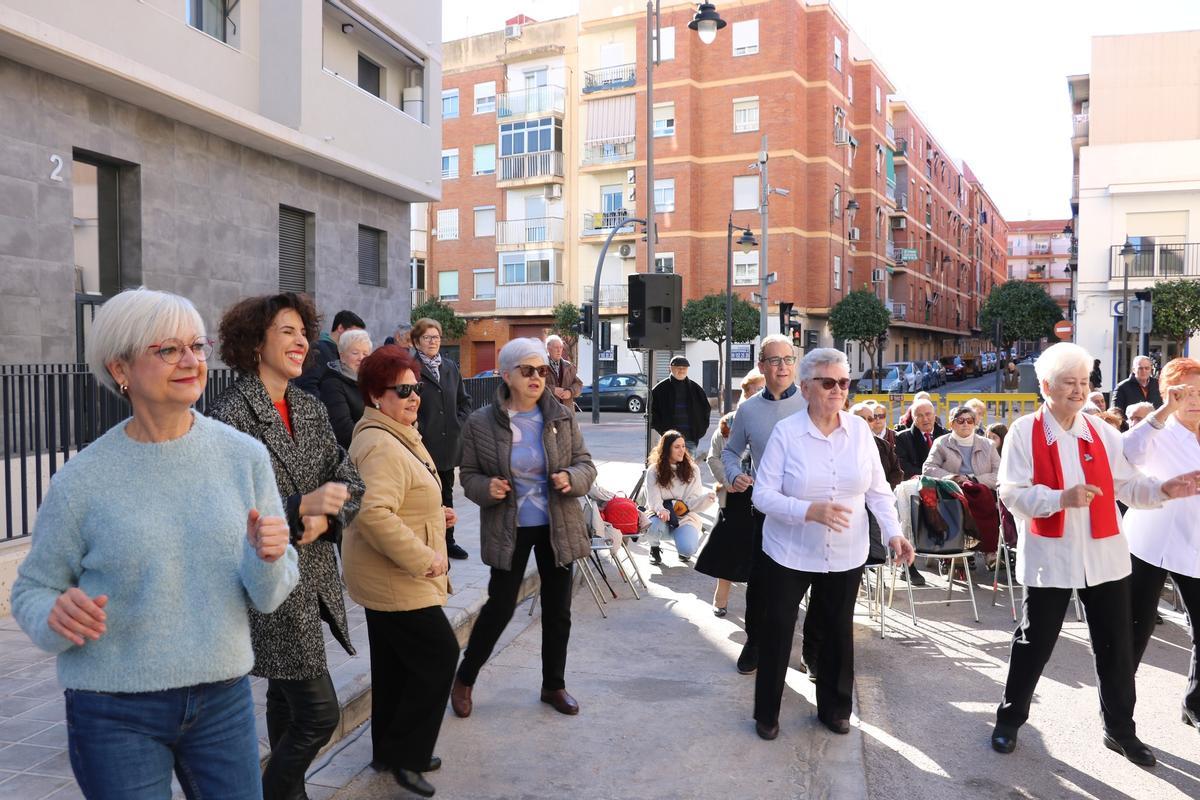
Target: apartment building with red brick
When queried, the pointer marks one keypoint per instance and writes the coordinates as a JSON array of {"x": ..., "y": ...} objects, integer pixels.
[{"x": 1039, "y": 251}]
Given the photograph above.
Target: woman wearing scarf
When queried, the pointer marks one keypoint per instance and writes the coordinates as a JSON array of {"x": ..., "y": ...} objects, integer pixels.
[
  {"x": 1165, "y": 541},
  {"x": 1061, "y": 475},
  {"x": 969, "y": 459}
]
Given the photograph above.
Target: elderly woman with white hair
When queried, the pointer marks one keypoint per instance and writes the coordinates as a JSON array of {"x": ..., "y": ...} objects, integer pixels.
[
  {"x": 819, "y": 474},
  {"x": 149, "y": 548},
  {"x": 339, "y": 385},
  {"x": 525, "y": 465},
  {"x": 1061, "y": 475}
]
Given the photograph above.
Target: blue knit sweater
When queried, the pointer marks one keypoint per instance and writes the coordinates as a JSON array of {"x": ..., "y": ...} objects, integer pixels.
[{"x": 161, "y": 529}]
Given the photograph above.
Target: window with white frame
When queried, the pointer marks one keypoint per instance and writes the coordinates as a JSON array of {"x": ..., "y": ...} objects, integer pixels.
[
  {"x": 485, "y": 284},
  {"x": 485, "y": 97},
  {"x": 664, "y": 119},
  {"x": 664, "y": 262},
  {"x": 745, "y": 37},
  {"x": 837, "y": 272},
  {"x": 745, "y": 114},
  {"x": 849, "y": 88},
  {"x": 533, "y": 266},
  {"x": 878, "y": 223},
  {"x": 448, "y": 285},
  {"x": 484, "y": 161},
  {"x": 485, "y": 221},
  {"x": 450, "y": 163},
  {"x": 745, "y": 268},
  {"x": 664, "y": 195},
  {"x": 837, "y": 54},
  {"x": 745, "y": 192},
  {"x": 666, "y": 44},
  {"x": 878, "y": 100},
  {"x": 878, "y": 159},
  {"x": 449, "y": 103},
  {"x": 447, "y": 224}
]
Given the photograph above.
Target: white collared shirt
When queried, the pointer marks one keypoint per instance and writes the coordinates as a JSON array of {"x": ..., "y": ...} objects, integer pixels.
[
  {"x": 1167, "y": 537},
  {"x": 1074, "y": 560},
  {"x": 801, "y": 466}
]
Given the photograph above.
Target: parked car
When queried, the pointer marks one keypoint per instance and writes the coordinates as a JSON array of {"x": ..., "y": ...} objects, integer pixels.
[
  {"x": 487, "y": 373},
  {"x": 889, "y": 381},
  {"x": 619, "y": 392},
  {"x": 911, "y": 372},
  {"x": 955, "y": 368}
]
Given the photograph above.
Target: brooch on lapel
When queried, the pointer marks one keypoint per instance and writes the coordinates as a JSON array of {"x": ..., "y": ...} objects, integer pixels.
[{"x": 1088, "y": 457}]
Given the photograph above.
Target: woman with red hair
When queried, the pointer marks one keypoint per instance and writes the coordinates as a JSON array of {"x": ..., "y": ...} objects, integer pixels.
[
  {"x": 1165, "y": 540},
  {"x": 395, "y": 564}
]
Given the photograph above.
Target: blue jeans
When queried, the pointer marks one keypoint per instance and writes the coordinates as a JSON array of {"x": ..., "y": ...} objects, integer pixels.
[
  {"x": 687, "y": 537},
  {"x": 124, "y": 746}
]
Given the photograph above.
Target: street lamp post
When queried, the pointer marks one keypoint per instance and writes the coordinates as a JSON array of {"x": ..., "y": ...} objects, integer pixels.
[
  {"x": 746, "y": 242},
  {"x": 1127, "y": 255}
]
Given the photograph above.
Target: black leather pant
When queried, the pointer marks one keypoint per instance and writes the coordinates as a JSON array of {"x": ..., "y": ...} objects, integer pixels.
[{"x": 301, "y": 716}]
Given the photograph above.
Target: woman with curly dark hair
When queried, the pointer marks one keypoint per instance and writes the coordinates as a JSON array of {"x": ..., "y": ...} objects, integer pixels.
[
  {"x": 674, "y": 493},
  {"x": 267, "y": 340}
]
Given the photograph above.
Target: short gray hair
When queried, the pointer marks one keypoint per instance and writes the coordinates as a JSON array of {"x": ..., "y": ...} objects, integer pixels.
[
  {"x": 976, "y": 405},
  {"x": 1139, "y": 358},
  {"x": 821, "y": 357},
  {"x": 554, "y": 337},
  {"x": 403, "y": 329},
  {"x": 517, "y": 350},
  {"x": 1098, "y": 393},
  {"x": 921, "y": 402},
  {"x": 865, "y": 405},
  {"x": 1059, "y": 358},
  {"x": 1136, "y": 407},
  {"x": 774, "y": 338},
  {"x": 352, "y": 337},
  {"x": 132, "y": 321}
]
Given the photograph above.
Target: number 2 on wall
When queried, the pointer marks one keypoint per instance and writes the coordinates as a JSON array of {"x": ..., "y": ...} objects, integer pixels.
[{"x": 56, "y": 173}]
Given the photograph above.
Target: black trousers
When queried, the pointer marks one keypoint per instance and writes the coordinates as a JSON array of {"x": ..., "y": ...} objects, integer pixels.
[
  {"x": 503, "y": 587},
  {"x": 756, "y": 604},
  {"x": 1146, "y": 584},
  {"x": 413, "y": 655},
  {"x": 301, "y": 716},
  {"x": 833, "y": 619},
  {"x": 1111, "y": 629},
  {"x": 447, "y": 479}
]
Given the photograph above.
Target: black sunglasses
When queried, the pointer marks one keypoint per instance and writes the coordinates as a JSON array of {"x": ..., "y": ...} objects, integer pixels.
[
  {"x": 828, "y": 383},
  {"x": 403, "y": 390}
]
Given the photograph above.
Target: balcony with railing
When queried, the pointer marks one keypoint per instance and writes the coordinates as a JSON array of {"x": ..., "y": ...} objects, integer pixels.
[
  {"x": 598, "y": 223},
  {"x": 612, "y": 295},
  {"x": 530, "y": 166},
  {"x": 598, "y": 80},
  {"x": 1079, "y": 126},
  {"x": 538, "y": 101},
  {"x": 418, "y": 241},
  {"x": 1154, "y": 262},
  {"x": 612, "y": 152},
  {"x": 418, "y": 296},
  {"x": 897, "y": 310},
  {"x": 535, "y": 231},
  {"x": 529, "y": 296},
  {"x": 901, "y": 147}
]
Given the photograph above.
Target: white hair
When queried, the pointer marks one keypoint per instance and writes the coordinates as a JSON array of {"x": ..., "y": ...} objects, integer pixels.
[
  {"x": 821, "y": 357},
  {"x": 1096, "y": 393},
  {"x": 865, "y": 405},
  {"x": 553, "y": 338},
  {"x": 134, "y": 320},
  {"x": 517, "y": 350},
  {"x": 1139, "y": 358},
  {"x": 1061, "y": 358},
  {"x": 976, "y": 405},
  {"x": 1131, "y": 410},
  {"x": 921, "y": 402},
  {"x": 352, "y": 337},
  {"x": 774, "y": 338},
  {"x": 921, "y": 396}
]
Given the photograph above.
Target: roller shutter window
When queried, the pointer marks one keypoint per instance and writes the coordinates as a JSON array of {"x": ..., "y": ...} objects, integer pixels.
[
  {"x": 293, "y": 250},
  {"x": 369, "y": 255}
]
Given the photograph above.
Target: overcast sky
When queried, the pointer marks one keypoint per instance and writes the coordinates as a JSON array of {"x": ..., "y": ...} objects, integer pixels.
[{"x": 988, "y": 79}]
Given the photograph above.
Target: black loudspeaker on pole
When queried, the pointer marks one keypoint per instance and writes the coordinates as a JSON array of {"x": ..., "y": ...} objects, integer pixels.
[{"x": 655, "y": 312}]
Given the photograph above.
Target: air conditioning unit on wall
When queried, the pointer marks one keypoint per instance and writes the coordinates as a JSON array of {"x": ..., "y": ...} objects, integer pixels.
[
  {"x": 854, "y": 234},
  {"x": 554, "y": 191},
  {"x": 878, "y": 275},
  {"x": 626, "y": 251}
]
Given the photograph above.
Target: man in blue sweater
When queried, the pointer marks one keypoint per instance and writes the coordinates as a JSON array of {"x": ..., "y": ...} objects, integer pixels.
[{"x": 753, "y": 423}]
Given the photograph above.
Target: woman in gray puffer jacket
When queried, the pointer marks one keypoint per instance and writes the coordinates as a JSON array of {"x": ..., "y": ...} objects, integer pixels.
[{"x": 525, "y": 465}]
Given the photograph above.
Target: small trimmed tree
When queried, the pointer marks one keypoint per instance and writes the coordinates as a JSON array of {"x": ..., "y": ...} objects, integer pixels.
[
  {"x": 861, "y": 317},
  {"x": 454, "y": 327},
  {"x": 1025, "y": 310},
  {"x": 704, "y": 320},
  {"x": 566, "y": 325},
  {"x": 1177, "y": 310}
]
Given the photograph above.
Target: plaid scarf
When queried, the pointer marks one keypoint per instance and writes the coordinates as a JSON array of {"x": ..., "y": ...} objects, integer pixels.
[{"x": 433, "y": 363}]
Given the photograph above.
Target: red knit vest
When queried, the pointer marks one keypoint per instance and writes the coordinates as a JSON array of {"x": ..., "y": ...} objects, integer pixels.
[{"x": 1047, "y": 471}]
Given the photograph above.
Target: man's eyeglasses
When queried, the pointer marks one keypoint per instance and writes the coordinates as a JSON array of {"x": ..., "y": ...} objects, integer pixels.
[
  {"x": 775, "y": 361},
  {"x": 828, "y": 384},
  {"x": 529, "y": 370},
  {"x": 406, "y": 390},
  {"x": 171, "y": 350}
]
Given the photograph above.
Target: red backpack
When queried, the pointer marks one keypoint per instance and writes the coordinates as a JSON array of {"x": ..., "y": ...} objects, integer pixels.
[{"x": 622, "y": 513}]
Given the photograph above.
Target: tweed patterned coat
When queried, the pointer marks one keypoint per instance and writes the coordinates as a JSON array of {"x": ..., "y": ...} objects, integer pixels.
[
  {"x": 289, "y": 644},
  {"x": 487, "y": 454}
]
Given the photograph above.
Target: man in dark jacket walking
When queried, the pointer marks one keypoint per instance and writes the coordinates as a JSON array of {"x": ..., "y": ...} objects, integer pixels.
[
  {"x": 680, "y": 404},
  {"x": 445, "y": 406},
  {"x": 327, "y": 350},
  {"x": 1139, "y": 387}
]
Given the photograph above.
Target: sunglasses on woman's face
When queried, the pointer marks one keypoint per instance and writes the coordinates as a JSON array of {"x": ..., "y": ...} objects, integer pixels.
[
  {"x": 881, "y": 415},
  {"x": 405, "y": 390},
  {"x": 828, "y": 384},
  {"x": 529, "y": 370},
  {"x": 962, "y": 420}
]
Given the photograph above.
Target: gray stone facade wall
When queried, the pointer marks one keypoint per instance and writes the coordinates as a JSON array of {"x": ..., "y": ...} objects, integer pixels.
[{"x": 206, "y": 225}]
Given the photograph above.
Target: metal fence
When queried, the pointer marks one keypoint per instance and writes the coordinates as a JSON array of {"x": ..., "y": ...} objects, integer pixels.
[{"x": 49, "y": 412}]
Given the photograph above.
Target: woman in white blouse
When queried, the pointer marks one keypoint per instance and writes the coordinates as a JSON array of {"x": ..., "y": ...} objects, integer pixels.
[
  {"x": 1060, "y": 475},
  {"x": 818, "y": 475},
  {"x": 673, "y": 478},
  {"x": 1166, "y": 540}
]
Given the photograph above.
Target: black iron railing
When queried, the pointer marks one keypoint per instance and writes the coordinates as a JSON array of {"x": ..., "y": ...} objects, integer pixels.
[{"x": 49, "y": 412}]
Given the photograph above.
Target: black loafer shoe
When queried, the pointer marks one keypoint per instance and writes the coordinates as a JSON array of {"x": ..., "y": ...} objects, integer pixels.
[
  {"x": 1004, "y": 740},
  {"x": 747, "y": 662},
  {"x": 767, "y": 732},
  {"x": 435, "y": 763},
  {"x": 915, "y": 577},
  {"x": 1133, "y": 749},
  {"x": 656, "y": 555},
  {"x": 720, "y": 611},
  {"x": 413, "y": 782},
  {"x": 1191, "y": 718},
  {"x": 456, "y": 552},
  {"x": 840, "y": 726}
]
